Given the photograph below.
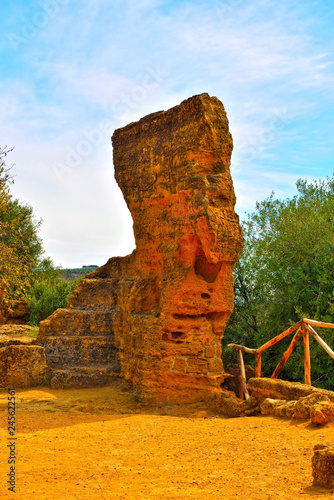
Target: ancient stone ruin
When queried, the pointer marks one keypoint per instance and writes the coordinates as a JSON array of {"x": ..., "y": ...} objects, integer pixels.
[
  {"x": 157, "y": 317},
  {"x": 22, "y": 361},
  {"x": 323, "y": 465}
]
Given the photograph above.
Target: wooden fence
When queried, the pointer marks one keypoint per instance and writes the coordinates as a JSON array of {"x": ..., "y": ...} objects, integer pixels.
[{"x": 304, "y": 328}]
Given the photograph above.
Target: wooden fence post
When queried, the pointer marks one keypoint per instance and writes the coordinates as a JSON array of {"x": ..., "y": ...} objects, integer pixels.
[
  {"x": 307, "y": 359},
  {"x": 258, "y": 365},
  {"x": 243, "y": 376},
  {"x": 320, "y": 340}
]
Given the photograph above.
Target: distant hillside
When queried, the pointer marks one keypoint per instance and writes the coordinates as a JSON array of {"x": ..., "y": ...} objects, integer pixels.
[{"x": 71, "y": 274}]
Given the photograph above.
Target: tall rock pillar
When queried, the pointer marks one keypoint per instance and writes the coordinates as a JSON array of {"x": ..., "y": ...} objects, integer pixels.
[{"x": 168, "y": 303}]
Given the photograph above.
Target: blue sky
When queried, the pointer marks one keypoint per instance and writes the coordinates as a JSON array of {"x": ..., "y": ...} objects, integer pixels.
[{"x": 72, "y": 72}]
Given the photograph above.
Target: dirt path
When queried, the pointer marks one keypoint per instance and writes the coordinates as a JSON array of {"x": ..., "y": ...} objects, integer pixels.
[{"x": 99, "y": 444}]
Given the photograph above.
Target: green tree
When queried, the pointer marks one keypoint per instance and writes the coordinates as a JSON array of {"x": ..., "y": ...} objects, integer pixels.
[
  {"x": 49, "y": 291},
  {"x": 24, "y": 273},
  {"x": 286, "y": 273},
  {"x": 20, "y": 246}
]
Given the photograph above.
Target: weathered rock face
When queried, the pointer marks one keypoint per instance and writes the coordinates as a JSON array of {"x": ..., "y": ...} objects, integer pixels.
[
  {"x": 263, "y": 388},
  {"x": 165, "y": 307},
  {"x": 316, "y": 407},
  {"x": 18, "y": 313},
  {"x": 22, "y": 362},
  {"x": 15, "y": 313},
  {"x": 22, "y": 366},
  {"x": 323, "y": 465}
]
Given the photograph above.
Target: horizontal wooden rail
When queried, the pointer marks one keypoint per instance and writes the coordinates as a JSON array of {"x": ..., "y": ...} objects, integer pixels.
[
  {"x": 318, "y": 323},
  {"x": 242, "y": 348}
]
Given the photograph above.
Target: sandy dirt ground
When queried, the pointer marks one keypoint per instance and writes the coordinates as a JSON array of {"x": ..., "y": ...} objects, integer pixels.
[{"x": 101, "y": 444}]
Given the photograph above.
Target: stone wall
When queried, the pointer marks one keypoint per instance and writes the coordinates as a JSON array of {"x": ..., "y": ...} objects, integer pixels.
[
  {"x": 161, "y": 311},
  {"x": 23, "y": 366}
]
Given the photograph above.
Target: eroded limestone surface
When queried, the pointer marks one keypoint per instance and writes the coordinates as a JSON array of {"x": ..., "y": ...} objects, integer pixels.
[
  {"x": 263, "y": 388},
  {"x": 323, "y": 465},
  {"x": 158, "y": 315},
  {"x": 22, "y": 365}
]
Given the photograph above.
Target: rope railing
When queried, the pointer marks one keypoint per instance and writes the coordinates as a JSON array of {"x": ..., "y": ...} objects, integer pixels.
[{"x": 304, "y": 327}]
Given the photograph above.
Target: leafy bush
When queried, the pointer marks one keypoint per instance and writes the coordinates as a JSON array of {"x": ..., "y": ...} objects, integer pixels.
[{"x": 49, "y": 292}]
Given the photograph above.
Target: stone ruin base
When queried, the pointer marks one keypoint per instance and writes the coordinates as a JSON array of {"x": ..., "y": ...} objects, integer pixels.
[
  {"x": 263, "y": 388},
  {"x": 278, "y": 398},
  {"x": 23, "y": 366},
  {"x": 22, "y": 362},
  {"x": 316, "y": 407},
  {"x": 293, "y": 400},
  {"x": 323, "y": 465}
]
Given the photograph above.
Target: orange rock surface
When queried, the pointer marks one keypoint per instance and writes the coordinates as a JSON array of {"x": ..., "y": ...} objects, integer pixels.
[{"x": 161, "y": 312}]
